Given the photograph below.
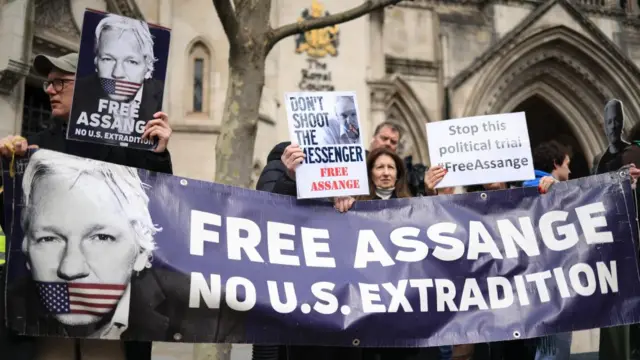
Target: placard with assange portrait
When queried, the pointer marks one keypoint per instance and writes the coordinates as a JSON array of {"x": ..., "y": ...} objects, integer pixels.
[
  {"x": 326, "y": 125},
  {"x": 120, "y": 80}
]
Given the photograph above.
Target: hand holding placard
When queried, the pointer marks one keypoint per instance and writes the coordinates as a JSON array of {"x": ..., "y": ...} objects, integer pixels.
[
  {"x": 330, "y": 160},
  {"x": 482, "y": 149}
]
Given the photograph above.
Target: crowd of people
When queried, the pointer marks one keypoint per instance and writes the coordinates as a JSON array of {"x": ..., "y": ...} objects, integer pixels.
[{"x": 390, "y": 176}]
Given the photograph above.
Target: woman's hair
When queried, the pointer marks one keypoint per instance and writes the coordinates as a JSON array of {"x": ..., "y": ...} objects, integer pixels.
[
  {"x": 124, "y": 183},
  {"x": 402, "y": 187},
  {"x": 549, "y": 154}
]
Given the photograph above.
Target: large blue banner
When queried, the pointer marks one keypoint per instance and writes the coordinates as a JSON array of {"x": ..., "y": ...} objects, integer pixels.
[{"x": 106, "y": 251}]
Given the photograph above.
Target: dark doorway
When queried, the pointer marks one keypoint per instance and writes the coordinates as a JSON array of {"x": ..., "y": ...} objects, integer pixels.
[
  {"x": 36, "y": 113},
  {"x": 544, "y": 123}
]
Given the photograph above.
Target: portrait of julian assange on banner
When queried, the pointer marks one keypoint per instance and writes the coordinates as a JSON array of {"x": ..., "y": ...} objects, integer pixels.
[
  {"x": 326, "y": 125},
  {"x": 98, "y": 250},
  {"x": 120, "y": 80},
  {"x": 481, "y": 149}
]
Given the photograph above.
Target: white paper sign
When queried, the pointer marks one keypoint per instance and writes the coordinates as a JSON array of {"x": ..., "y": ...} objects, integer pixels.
[
  {"x": 481, "y": 149},
  {"x": 326, "y": 125}
]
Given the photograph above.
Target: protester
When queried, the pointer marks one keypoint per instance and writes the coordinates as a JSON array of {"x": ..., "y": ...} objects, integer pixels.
[
  {"x": 550, "y": 159},
  {"x": 59, "y": 85},
  {"x": 433, "y": 177},
  {"x": 387, "y": 176},
  {"x": 278, "y": 176},
  {"x": 551, "y": 163},
  {"x": 275, "y": 177},
  {"x": 388, "y": 180},
  {"x": 615, "y": 342}
]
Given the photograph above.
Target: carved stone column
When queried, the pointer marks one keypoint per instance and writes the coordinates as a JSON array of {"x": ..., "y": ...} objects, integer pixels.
[
  {"x": 16, "y": 31},
  {"x": 380, "y": 91},
  {"x": 376, "y": 44}
]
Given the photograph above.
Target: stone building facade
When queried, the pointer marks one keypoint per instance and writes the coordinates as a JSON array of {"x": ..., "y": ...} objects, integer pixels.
[{"x": 414, "y": 63}]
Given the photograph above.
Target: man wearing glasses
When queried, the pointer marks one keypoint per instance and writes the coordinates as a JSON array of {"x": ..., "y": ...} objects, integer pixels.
[
  {"x": 59, "y": 86},
  {"x": 60, "y": 74},
  {"x": 60, "y": 83}
]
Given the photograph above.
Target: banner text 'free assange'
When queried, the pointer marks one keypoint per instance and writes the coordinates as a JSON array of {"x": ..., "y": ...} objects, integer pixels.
[{"x": 244, "y": 235}]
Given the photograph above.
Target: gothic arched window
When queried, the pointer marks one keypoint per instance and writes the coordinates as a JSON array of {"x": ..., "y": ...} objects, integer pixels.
[{"x": 200, "y": 79}]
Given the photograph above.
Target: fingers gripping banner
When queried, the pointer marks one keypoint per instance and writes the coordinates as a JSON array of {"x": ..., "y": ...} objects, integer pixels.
[{"x": 105, "y": 251}]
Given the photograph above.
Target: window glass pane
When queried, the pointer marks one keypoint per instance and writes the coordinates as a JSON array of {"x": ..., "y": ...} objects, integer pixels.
[{"x": 198, "y": 73}]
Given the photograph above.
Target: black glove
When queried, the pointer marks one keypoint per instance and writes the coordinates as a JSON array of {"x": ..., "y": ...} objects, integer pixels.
[{"x": 415, "y": 177}]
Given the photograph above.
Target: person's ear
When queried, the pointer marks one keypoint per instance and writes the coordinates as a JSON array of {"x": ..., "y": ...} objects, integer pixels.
[{"x": 141, "y": 261}]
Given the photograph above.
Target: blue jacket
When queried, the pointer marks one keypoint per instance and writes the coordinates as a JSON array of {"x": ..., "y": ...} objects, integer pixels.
[{"x": 535, "y": 182}]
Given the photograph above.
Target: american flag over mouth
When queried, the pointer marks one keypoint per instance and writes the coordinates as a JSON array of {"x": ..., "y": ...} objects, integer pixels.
[
  {"x": 119, "y": 87},
  {"x": 79, "y": 298}
]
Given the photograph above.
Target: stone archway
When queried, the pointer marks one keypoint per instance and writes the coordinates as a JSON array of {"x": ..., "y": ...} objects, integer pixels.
[
  {"x": 546, "y": 122},
  {"x": 396, "y": 98},
  {"x": 572, "y": 73}
]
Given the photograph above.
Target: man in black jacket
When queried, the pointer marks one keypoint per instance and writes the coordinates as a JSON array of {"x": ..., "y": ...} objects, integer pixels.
[
  {"x": 616, "y": 343},
  {"x": 60, "y": 73}
]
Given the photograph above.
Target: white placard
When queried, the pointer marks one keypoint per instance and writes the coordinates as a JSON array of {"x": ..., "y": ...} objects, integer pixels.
[
  {"x": 326, "y": 125},
  {"x": 481, "y": 149}
]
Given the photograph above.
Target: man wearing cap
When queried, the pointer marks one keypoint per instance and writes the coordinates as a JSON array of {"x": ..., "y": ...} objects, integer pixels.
[{"x": 60, "y": 74}]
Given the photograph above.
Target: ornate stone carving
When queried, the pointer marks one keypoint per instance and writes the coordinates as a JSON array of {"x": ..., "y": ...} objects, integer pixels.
[
  {"x": 10, "y": 76},
  {"x": 554, "y": 77},
  {"x": 381, "y": 91},
  {"x": 551, "y": 61},
  {"x": 395, "y": 98},
  {"x": 56, "y": 16},
  {"x": 411, "y": 67},
  {"x": 127, "y": 8},
  {"x": 511, "y": 40},
  {"x": 57, "y": 31},
  {"x": 44, "y": 46},
  {"x": 78, "y": 8}
]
